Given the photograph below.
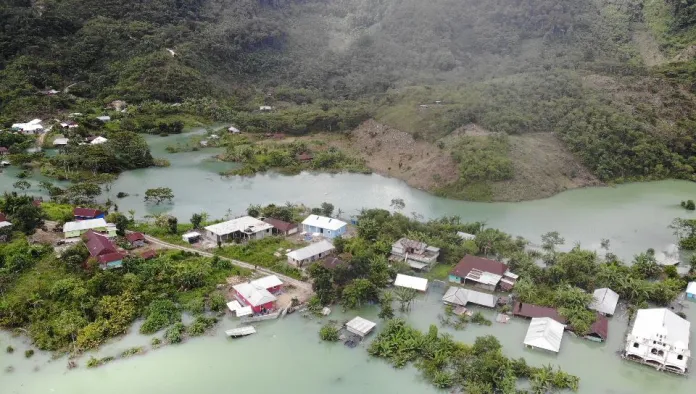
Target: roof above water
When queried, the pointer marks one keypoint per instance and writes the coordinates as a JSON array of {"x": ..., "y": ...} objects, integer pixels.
[
  {"x": 605, "y": 301},
  {"x": 544, "y": 333},
  {"x": 411, "y": 282}
]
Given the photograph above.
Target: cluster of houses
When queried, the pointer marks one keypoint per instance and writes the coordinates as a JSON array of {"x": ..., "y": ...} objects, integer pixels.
[{"x": 90, "y": 226}]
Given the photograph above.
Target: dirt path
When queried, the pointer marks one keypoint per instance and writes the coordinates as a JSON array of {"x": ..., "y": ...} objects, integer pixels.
[{"x": 297, "y": 283}]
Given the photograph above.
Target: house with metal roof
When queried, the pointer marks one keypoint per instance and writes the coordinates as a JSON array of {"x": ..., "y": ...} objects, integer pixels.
[
  {"x": 87, "y": 213},
  {"x": 418, "y": 255},
  {"x": 457, "y": 296},
  {"x": 315, "y": 251},
  {"x": 75, "y": 229},
  {"x": 599, "y": 330},
  {"x": 411, "y": 282},
  {"x": 360, "y": 326},
  {"x": 544, "y": 333},
  {"x": 531, "y": 311},
  {"x": 255, "y": 296},
  {"x": 282, "y": 227},
  {"x": 465, "y": 236},
  {"x": 691, "y": 291},
  {"x": 485, "y": 273},
  {"x": 270, "y": 283},
  {"x": 659, "y": 338},
  {"x": 245, "y": 228},
  {"x": 324, "y": 226},
  {"x": 604, "y": 301}
]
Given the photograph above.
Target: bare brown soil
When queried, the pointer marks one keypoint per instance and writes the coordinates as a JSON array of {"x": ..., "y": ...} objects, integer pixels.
[
  {"x": 543, "y": 167},
  {"x": 395, "y": 153}
]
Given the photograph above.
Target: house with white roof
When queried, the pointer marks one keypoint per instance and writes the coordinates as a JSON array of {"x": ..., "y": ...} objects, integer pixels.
[
  {"x": 360, "y": 326},
  {"x": 411, "y": 282},
  {"x": 245, "y": 227},
  {"x": 60, "y": 141},
  {"x": 301, "y": 257},
  {"x": 270, "y": 283},
  {"x": 457, "y": 296},
  {"x": 255, "y": 296},
  {"x": 659, "y": 338},
  {"x": 418, "y": 255},
  {"x": 691, "y": 291},
  {"x": 99, "y": 140},
  {"x": 605, "y": 301},
  {"x": 544, "y": 333},
  {"x": 32, "y": 127},
  {"x": 465, "y": 236},
  {"x": 324, "y": 226},
  {"x": 75, "y": 229}
]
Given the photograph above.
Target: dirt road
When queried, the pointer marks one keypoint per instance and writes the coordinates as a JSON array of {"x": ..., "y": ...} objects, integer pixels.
[{"x": 297, "y": 283}]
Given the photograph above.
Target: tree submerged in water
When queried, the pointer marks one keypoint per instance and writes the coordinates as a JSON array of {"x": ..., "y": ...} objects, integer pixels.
[
  {"x": 477, "y": 368},
  {"x": 159, "y": 195},
  {"x": 329, "y": 332}
]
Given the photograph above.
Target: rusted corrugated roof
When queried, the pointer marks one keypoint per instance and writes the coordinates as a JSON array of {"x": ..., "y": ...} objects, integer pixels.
[
  {"x": 600, "y": 327},
  {"x": 470, "y": 262},
  {"x": 86, "y": 212},
  {"x": 531, "y": 311}
]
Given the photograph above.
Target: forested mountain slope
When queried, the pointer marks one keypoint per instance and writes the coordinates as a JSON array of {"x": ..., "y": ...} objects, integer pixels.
[{"x": 578, "y": 69}]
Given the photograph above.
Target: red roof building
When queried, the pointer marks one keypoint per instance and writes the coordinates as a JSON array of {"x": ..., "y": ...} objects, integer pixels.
[
  {"x": 281, "y": 227},
  {"x": 98, "y": 245},
  {"x": 3, "y": 218},
  {"x": 332, "y": 262},
  {"x": 148, "y": 254},
  {"x": 530, "y": 311},
  {"x": 599, "y": 330},
  {"x": 135, "y": 239},
  {"x": 87, "y": 213},
  {"x": 3, "y": 150}
]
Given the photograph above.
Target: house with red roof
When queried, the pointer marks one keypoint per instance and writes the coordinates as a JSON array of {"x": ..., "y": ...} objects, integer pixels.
[
  {"x": 101, "y": 248},
  {"x": 135, "y": 240},
  {"x": 484, "y": 273},
  {"x": 4, "y": 150},
  {"x": 87, "y": 213},
  {"x": 282, "y": 227},
  {"x": 531, "y": 311}
]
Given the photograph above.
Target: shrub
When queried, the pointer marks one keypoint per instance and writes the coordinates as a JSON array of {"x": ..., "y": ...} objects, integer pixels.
[
  {"x": 121, "y": 195},
  {"x": 201, "y": 325},
  {"x": 175, "y": 333},
  {"x": 217, "y": 302},
  {"x": 329, "y": 333},
  {"x": 10, "y": 349},
  {"x": 29, "y": 353},
  {"x": 156, "y": 342}
]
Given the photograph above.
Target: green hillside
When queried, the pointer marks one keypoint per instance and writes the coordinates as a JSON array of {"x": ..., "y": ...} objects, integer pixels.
[{"x": 612, "y": 80}]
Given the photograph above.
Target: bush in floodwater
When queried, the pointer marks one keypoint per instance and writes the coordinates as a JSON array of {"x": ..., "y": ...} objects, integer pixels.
[
  {"x": 156, "y": 342},
  {"x": 479, "y": 318},
  {"x": 200, "y": 325},
  {"x": 132, "y": 351},
  {"x": 121, "y": 195},
  {"x": 175, "y": 333},
  {"x": 9, "y": 349},
  {"x": 329, "y": 333},
  {"x": 160, "y": 314},
  {"x": 29, "y": 353},
  {"x": 217, "y": 302},
  {"x": 688, "y": 205}
]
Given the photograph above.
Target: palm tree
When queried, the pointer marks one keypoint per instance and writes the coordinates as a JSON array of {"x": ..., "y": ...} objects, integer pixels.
[{"x": 405, "y": 296}]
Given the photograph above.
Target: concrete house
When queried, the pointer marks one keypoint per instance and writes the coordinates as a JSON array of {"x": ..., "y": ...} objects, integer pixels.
[
  {"x": 75, "y": 229},
  {"x": 484, "y": 273},
  {"x": 457, "y": 296},
  {"x": 659, "y": 338},
  {"x": 244, "y": 228},
  {"x": 316, "y": 251},
  {"x": 101, "y": 248},
  {"x": 418, "y": 255},
  {"x": 255, "y": 296},
  {"x": 32, "y": 127},
  {"x": 136, "y": 240},
  {"x": 411, "y": 282},
  {"x": 324, "y": 226}
]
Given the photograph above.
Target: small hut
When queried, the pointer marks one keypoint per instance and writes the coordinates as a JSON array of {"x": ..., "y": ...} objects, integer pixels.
[{"x": 360, "y": 327}]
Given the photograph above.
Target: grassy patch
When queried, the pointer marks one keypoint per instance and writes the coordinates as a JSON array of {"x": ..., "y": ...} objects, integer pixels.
[
  {"x": 163, "y": 233},
  {"x": 58, "y": 212},
  {"x": 261, "y": 253},
  {"x": 439, "y": 272}
]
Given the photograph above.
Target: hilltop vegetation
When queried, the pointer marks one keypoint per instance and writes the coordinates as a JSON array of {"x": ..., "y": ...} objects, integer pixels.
[{"x": 576, "y": 69}]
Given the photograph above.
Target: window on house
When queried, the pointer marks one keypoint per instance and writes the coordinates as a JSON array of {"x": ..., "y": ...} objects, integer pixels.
[
  {"x": 680, "y": 357},
  {"x": 635, "y": 344}
]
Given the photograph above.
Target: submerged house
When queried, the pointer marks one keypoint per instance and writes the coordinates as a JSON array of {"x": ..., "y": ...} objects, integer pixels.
[
  {"x": 659, "y": 338},
  {"x": 457, "y": 296},
  {"x": 418, "y": 255},
  {"x": 531, "y": 311},
  {"x": 604, "y": 301},
  {"x": 301, "y": 257},
  {"x": 411, "y": 282},
  {"x": 360, "y": 327},
  {"x": 484, "y": 273},
  {"x": 544, "y": 333},
  {"x": 245, "y": 228},
  {"x": 324, "y": 226},
  {"x": 599, "y": 330}
]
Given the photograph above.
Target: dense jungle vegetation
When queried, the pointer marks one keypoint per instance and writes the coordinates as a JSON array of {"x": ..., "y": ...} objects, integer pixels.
[{"x": 577, "y": 69}]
